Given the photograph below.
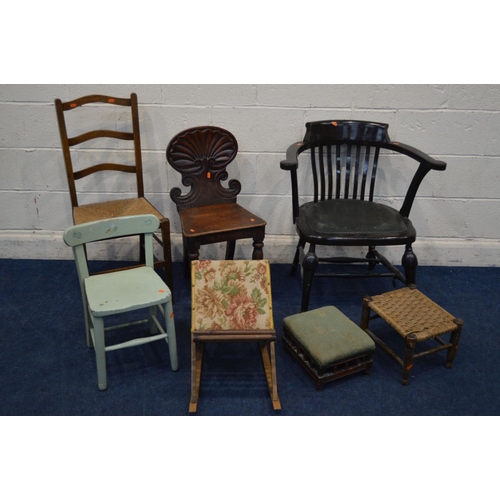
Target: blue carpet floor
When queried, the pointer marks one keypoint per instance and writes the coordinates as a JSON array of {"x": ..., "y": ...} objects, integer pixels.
[{"x": 47, "y": 369}]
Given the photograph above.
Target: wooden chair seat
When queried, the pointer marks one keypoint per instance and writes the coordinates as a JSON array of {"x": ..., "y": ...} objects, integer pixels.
[{"x": 215, "y": 220}]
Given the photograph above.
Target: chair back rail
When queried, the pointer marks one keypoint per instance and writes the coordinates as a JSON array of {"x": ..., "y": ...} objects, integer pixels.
[
  {"x": 79, "y": 235},
  {"x": 68, "y": 142}
]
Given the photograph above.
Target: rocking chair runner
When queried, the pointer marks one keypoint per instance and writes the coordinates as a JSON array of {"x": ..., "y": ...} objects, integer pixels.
[{"x": 344, "y": 161}]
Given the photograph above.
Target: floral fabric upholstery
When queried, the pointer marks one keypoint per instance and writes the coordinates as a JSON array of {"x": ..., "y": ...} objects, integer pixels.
[{"x": 231, "y": 295}]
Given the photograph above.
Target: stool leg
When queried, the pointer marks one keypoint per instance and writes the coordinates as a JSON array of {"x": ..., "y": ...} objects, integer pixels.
[
  {"x": 365, "y": 313},
  {"x": 196, "y": 361},
  {"x": 368, "y": 368},
  {"x": 455, "y": 337},
  {"x": 411, "y": 342}
]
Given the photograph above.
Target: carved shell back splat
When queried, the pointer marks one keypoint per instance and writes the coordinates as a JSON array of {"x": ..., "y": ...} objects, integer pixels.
[
  {"x": 201, "y": 155},
  {"x": 202, "y": 148}
]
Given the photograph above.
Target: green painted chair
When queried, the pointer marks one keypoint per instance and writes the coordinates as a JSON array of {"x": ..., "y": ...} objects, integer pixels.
[{"x": 122, "y": 291}]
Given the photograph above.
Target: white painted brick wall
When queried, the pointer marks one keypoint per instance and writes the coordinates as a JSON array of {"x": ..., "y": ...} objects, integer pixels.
[{"x": 456, "y": 212}]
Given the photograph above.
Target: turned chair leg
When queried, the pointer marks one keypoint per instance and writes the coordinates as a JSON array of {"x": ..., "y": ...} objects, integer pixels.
[
  {"x": 191, "y": 252},
  {"x": 100, "y": 353},
  {"x": 295, "y": 263},
  {"x": 372, "y": 255},
  {"x": 230, "y": 248},
  {"x": 258, "y": 245},
  {"x": 409, "y": 262},
  {"x": 167, "y": 253},
  {"x": 309, "y": 265}
]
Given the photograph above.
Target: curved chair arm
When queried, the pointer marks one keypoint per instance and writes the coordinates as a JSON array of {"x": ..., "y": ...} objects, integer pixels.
[
  {"x": 427, "y": 164},
  {"x": 416, "y": 154},
  {"x": 291, "y": 164}
]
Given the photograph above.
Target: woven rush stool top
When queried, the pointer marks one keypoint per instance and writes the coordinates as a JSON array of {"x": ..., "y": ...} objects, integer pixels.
[
  {"x": 408, "y": 311},
  {"x": 231, "y": 295},
  {"x": 328, "y": 335}
]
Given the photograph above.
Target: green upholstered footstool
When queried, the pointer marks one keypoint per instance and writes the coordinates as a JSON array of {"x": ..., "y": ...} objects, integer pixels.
[{"x": 327, "y": 344}]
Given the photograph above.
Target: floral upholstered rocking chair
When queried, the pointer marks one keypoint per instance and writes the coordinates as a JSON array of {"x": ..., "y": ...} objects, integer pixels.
[{"x": 231, "y": 302}]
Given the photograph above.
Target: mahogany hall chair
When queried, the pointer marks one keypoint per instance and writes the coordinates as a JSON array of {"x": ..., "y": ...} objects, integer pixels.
[
  {"x": 209, "y": 212},
  {"x": 342, "y": 161},
  {"x": 100, "y": 112}
]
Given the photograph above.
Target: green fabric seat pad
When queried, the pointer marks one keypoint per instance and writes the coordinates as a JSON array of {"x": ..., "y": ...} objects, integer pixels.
[
  {"x": 353, "y": 217},
  {"x": 328, "y": 336}
]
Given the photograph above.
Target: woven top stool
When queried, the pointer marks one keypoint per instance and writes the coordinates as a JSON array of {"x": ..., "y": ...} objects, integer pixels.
[
  {"x": 416, "y": 318},
  {"x": 327, "y": 344}
]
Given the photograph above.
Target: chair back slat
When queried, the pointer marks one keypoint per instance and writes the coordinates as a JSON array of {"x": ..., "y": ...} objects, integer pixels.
[
  {"x": 330, "y": 170},
  {"x": 345, "y": 164},
  {"x": 116, "y": 227},
  {"x": 322, "y": 172},
  {"x": 343, "y": 171},
  {"x": 314, "y": 173},
  {"x": 366, "y": 165},
  {"x": 374, "y": 173},
  {"x": 338, "y": 168},
  {"x": 347, "y": 170},
  {"x": 79, "y": 235}
]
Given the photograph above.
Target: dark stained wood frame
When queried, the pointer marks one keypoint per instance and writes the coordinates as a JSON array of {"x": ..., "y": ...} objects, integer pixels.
[
  {"x": 209, "y": 212},
  {"x": 352, "y": 149}
]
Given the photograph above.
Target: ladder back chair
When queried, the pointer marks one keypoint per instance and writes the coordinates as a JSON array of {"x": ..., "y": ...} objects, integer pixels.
[
  {"x": 122, "y": 291},
  {"x": 209, "y": 212},
  {"x": 341, "y": 208},
  {"x": 110, "y": 160}
]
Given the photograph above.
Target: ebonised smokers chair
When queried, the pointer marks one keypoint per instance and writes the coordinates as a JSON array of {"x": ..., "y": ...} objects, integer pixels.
[
  {"x": 104, "y": 116},
  {"x": 209, "y": 212},
  {"x": 340, "y": 209}
]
